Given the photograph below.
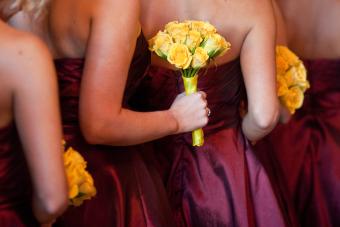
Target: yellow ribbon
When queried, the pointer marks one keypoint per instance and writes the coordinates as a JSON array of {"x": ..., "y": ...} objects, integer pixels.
[{"x": 190, "y": 86}]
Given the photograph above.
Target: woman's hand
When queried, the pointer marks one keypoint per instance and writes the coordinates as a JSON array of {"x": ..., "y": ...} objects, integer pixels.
[{"x": 190, "y": 111}]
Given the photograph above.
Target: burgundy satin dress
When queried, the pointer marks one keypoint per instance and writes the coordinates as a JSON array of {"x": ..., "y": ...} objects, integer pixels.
[
  {"x": 303, "y": 156},
  {"x": 129, "y": 193},
  {"x": 221, "y": 183},
  {"x": 15, "y": 185}
]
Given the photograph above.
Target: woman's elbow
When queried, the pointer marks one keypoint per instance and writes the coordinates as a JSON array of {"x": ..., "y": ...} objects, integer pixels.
[
  {"x": 49, "y": 208},
  {"x": 100, "y": 132},
  {"x": 266, "y": 119},
  {"x": 56, "y": 206},
  {"x": 93, "y": 134}
]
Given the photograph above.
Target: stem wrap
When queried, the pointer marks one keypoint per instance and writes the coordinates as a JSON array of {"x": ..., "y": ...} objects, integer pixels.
[{"x": 190, "y": 86}]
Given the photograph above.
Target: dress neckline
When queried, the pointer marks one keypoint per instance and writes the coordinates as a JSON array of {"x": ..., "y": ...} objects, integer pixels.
[
  {"x": 211, "y": 67},
  {"x": 81, "y": 59},
  {"x": 65, "y": 59},
  {"x": 333, "y": 60}
]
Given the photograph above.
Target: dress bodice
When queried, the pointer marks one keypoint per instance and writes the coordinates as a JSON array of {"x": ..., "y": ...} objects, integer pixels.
[
  {"x": 14, "y": 177},
  {"x": 323, "y": 94},
  {"x": 302, "y": 156},
  {"x": 15, "y": 185},
  {"x": 70, "y": 70},
  {"x": 223, "y": 85},
  {"x": 215, "y": 184},
  {"x": 129, "y": 192}
]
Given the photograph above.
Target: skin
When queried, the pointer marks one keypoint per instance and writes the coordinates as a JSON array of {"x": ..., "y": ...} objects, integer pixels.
[
  {"x": 316, "y": 34},
  {"x": 95, "y": 33},
  {"x": 252, "y": 38},
  {"x": 28, "y": 96}
]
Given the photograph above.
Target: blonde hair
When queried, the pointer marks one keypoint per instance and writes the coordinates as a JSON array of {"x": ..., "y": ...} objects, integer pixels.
[{"x": 34, "y": 7}]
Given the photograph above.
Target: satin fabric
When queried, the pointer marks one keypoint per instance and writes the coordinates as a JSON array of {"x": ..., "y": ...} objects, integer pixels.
[
  {"x": 15, "y": 185},
  {"x": 221, "y": 183},
  {"x": 129, "y": 192},
  {"x": 304, "y": 155}
]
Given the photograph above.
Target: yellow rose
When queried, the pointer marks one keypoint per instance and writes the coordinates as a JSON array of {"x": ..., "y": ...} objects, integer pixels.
[
  {"x": 303, "y": 85},
  {"x": 301, "y": 73},
  {"x": 224, "y": 47},
  {"x": 180, "y": 38},
  {"x": 86, "y": 191},
  {"x": 180, "y": 56},
  {"x": 91, "y": 191},
  {"x": 282, "y": 87},
  {"x": 72, "y": 157},
  {"x": 73, "y": 191},
  {"x": 215, "y": 45},
  {"x": 200, "y": 58},
  {"x": 281, "y": 65},
  {"x": 88, "y": 186},
  {"x": 77, "y": 201},
  {"x": 293, "y": 99},
  {"x": 288, "y": 64},
  {"x": 161, "y": 44},
  {"x": 193, "y": 40},
  {"x": 291, "y": 78},
  {"x": 177, "y": 30},
  {"x": 80, "y": 182},
  {"x": 204, "y": 28},
  {"x": 287, "y": 55},
  {"x": 73, "y": 176},
  {"x": 295, "y": 75}
]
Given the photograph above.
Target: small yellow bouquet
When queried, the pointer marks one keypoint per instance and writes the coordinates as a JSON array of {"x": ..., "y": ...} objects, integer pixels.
[
  {"x": 189, "y": 46},
  {"x": 291, "y": 78},
  {"x": 80, "y": 182}
]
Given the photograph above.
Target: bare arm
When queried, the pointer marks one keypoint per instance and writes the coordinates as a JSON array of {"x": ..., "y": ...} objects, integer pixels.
[
  {"x": 281, "y": 39},
  {"x": 36, "y": 112},
  {"x": 114, "y": 31},
  {"x": 258, "y": 66}
]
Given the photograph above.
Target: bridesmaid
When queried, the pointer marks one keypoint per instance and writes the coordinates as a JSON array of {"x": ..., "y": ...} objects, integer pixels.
[
  {"x": 94, "y": 43},
  {"x": 32, "y": 181},
  {"x": 305, "y": 153},
  {"x": 221, "y": 183}
]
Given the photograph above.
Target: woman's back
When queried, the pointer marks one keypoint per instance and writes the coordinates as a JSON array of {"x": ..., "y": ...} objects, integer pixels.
[
  {"x": 308, "y": 143},
  {"x": 215, "y": 185},
  {"x": 127, "y": 190},
  {"x": 227, "y": 16},
  {"x": 316, "y": 34},
  {"x": 15, "y": 192},
  {"x": 25, "y": 173}
]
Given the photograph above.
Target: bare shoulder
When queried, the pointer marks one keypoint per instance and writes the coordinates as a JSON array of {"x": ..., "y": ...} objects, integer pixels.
[
  {"x": 22, "y": 53},
  {"x": 121, "y": 6},
  {"x": 25, "y": 63},
  {"x": 259, "y": 12},
  {"x": 117, "y": 15}
]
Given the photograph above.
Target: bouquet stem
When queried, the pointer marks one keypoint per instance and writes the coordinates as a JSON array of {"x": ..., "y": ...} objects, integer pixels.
[{"x": 190, "y": 87}]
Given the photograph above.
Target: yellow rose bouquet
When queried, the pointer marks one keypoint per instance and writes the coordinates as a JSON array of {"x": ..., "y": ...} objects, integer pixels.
[
  {"x": 189, "y": 46},
  {"x": 80, "y": 182},
  {"x": 291, "y": 78}
]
